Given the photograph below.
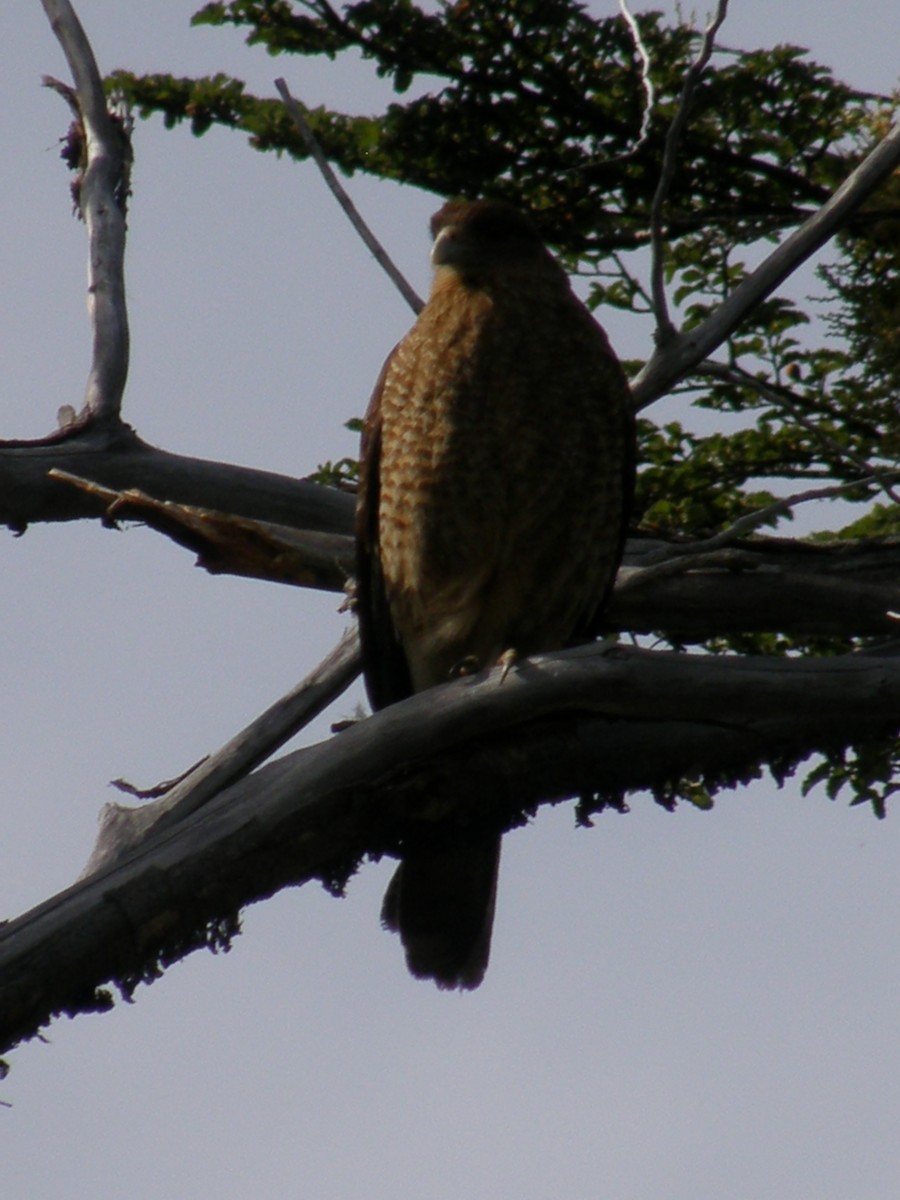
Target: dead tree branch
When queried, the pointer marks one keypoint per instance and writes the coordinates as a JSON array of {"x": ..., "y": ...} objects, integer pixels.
[
  {"x": 684, "y": 351},
  {"x": 300, "y": 533},
  {"x": 340, "y": 193},
  {"x": 690, "y": 592},
  {"x": 121, "y": 828},
  {"x": 117, "y": 459},
  {"x": 472, "y": 750},
  {"x": 101, "y": 192},
  {"x": 665, "y": 329}
]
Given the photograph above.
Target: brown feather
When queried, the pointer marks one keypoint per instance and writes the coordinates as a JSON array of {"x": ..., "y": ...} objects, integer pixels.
[
  {"x": 386, "y": 668},
  {"x": 496, "y": 476}
]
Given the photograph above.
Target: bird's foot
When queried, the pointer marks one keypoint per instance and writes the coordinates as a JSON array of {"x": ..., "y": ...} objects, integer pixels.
[{"x": 348, "y": 604}]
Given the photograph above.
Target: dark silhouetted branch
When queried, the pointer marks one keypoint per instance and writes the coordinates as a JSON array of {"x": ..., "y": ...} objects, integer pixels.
[{"x": 477, "y": 749}]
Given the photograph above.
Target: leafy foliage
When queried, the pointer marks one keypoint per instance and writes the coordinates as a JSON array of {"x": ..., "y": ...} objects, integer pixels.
[
  {"x": 538, "y": 102},
  {"x": 870, "y": 770},
  {"x": 345, "y": 472},
  {"x": 535, "y": 99}
]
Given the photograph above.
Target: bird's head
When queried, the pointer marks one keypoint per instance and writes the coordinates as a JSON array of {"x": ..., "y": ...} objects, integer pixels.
[{"x": 476, "y": 238}]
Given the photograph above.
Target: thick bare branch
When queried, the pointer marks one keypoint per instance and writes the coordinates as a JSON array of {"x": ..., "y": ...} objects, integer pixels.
[
  {"x": 102, "y": 190},
  {"x": 116, "y": 458},
  {"x": 674, "y": 360},
  {"x": 297, "y": 532},
  {"x": 733, "y": 591},
  {"x": 458, "y": 749},
  {"x": 228, "y": 544}
]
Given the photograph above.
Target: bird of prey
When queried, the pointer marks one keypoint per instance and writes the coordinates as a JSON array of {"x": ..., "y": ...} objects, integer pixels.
[{"x": 495, "y": 480}]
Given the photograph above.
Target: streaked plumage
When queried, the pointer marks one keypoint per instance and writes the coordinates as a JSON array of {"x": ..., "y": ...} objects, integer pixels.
[{"x": 495, "y": 481}]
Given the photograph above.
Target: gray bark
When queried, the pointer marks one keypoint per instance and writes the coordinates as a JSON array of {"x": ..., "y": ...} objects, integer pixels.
[{"x": 474, "y": 750}]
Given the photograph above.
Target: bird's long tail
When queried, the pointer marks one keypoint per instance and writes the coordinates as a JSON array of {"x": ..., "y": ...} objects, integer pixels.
[{"x": 441, "y": 902}]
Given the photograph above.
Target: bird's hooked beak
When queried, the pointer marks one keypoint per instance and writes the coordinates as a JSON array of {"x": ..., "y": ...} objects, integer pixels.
[{"x": 449, "y": 247}]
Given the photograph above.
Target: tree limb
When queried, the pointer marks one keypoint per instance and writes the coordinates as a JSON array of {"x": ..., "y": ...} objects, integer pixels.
[
  {"x": 472, "y": 751},
  {"x": 295, "y": 532},
  {"x": 122, "y": 827},
  {"x": 101, "y": 194},
  {"x": 678, "y": 356},
  {"x": 118, "y": 459}
]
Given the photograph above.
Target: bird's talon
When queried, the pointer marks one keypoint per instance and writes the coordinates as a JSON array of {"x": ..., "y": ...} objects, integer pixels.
[
  {"x": 348, "y": 604},
  {"x": 507, "y": 661}
]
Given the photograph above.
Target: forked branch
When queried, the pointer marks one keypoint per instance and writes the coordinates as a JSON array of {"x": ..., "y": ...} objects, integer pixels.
[
  {"x": 685, "y": 351},
  {"x": 101, "y": 194},
  {"x": 665, "y": 330}
]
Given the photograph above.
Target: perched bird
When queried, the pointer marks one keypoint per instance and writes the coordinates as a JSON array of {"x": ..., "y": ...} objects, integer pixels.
[{"x": 495, "y": 481}]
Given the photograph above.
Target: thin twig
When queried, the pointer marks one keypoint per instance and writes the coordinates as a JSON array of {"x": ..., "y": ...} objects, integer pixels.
[
  {"x": 339, "y": 192},
  {"x": 670, "y": 362},
  {"x": 782, "y": 399},
  {"x": 618, "y": 272},
  {"x": 646, "y": 81},
  {"x": 102, "y": 189},
  {"x": 649, "y": 97},
  {"x": 693, "y": 554},
  {"x": 665, "y": 328},
  {"x": 750, "y": 521},
  {"x": 157, "y": 790}
]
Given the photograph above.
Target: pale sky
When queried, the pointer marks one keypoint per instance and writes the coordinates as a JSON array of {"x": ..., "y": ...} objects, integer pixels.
[{"x": 686, "y": 1007}]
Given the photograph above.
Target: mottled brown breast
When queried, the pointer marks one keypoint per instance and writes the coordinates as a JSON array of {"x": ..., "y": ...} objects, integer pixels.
[
  {"x": 505, "y": 435},
  {"x": 494, "y": 485}
]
